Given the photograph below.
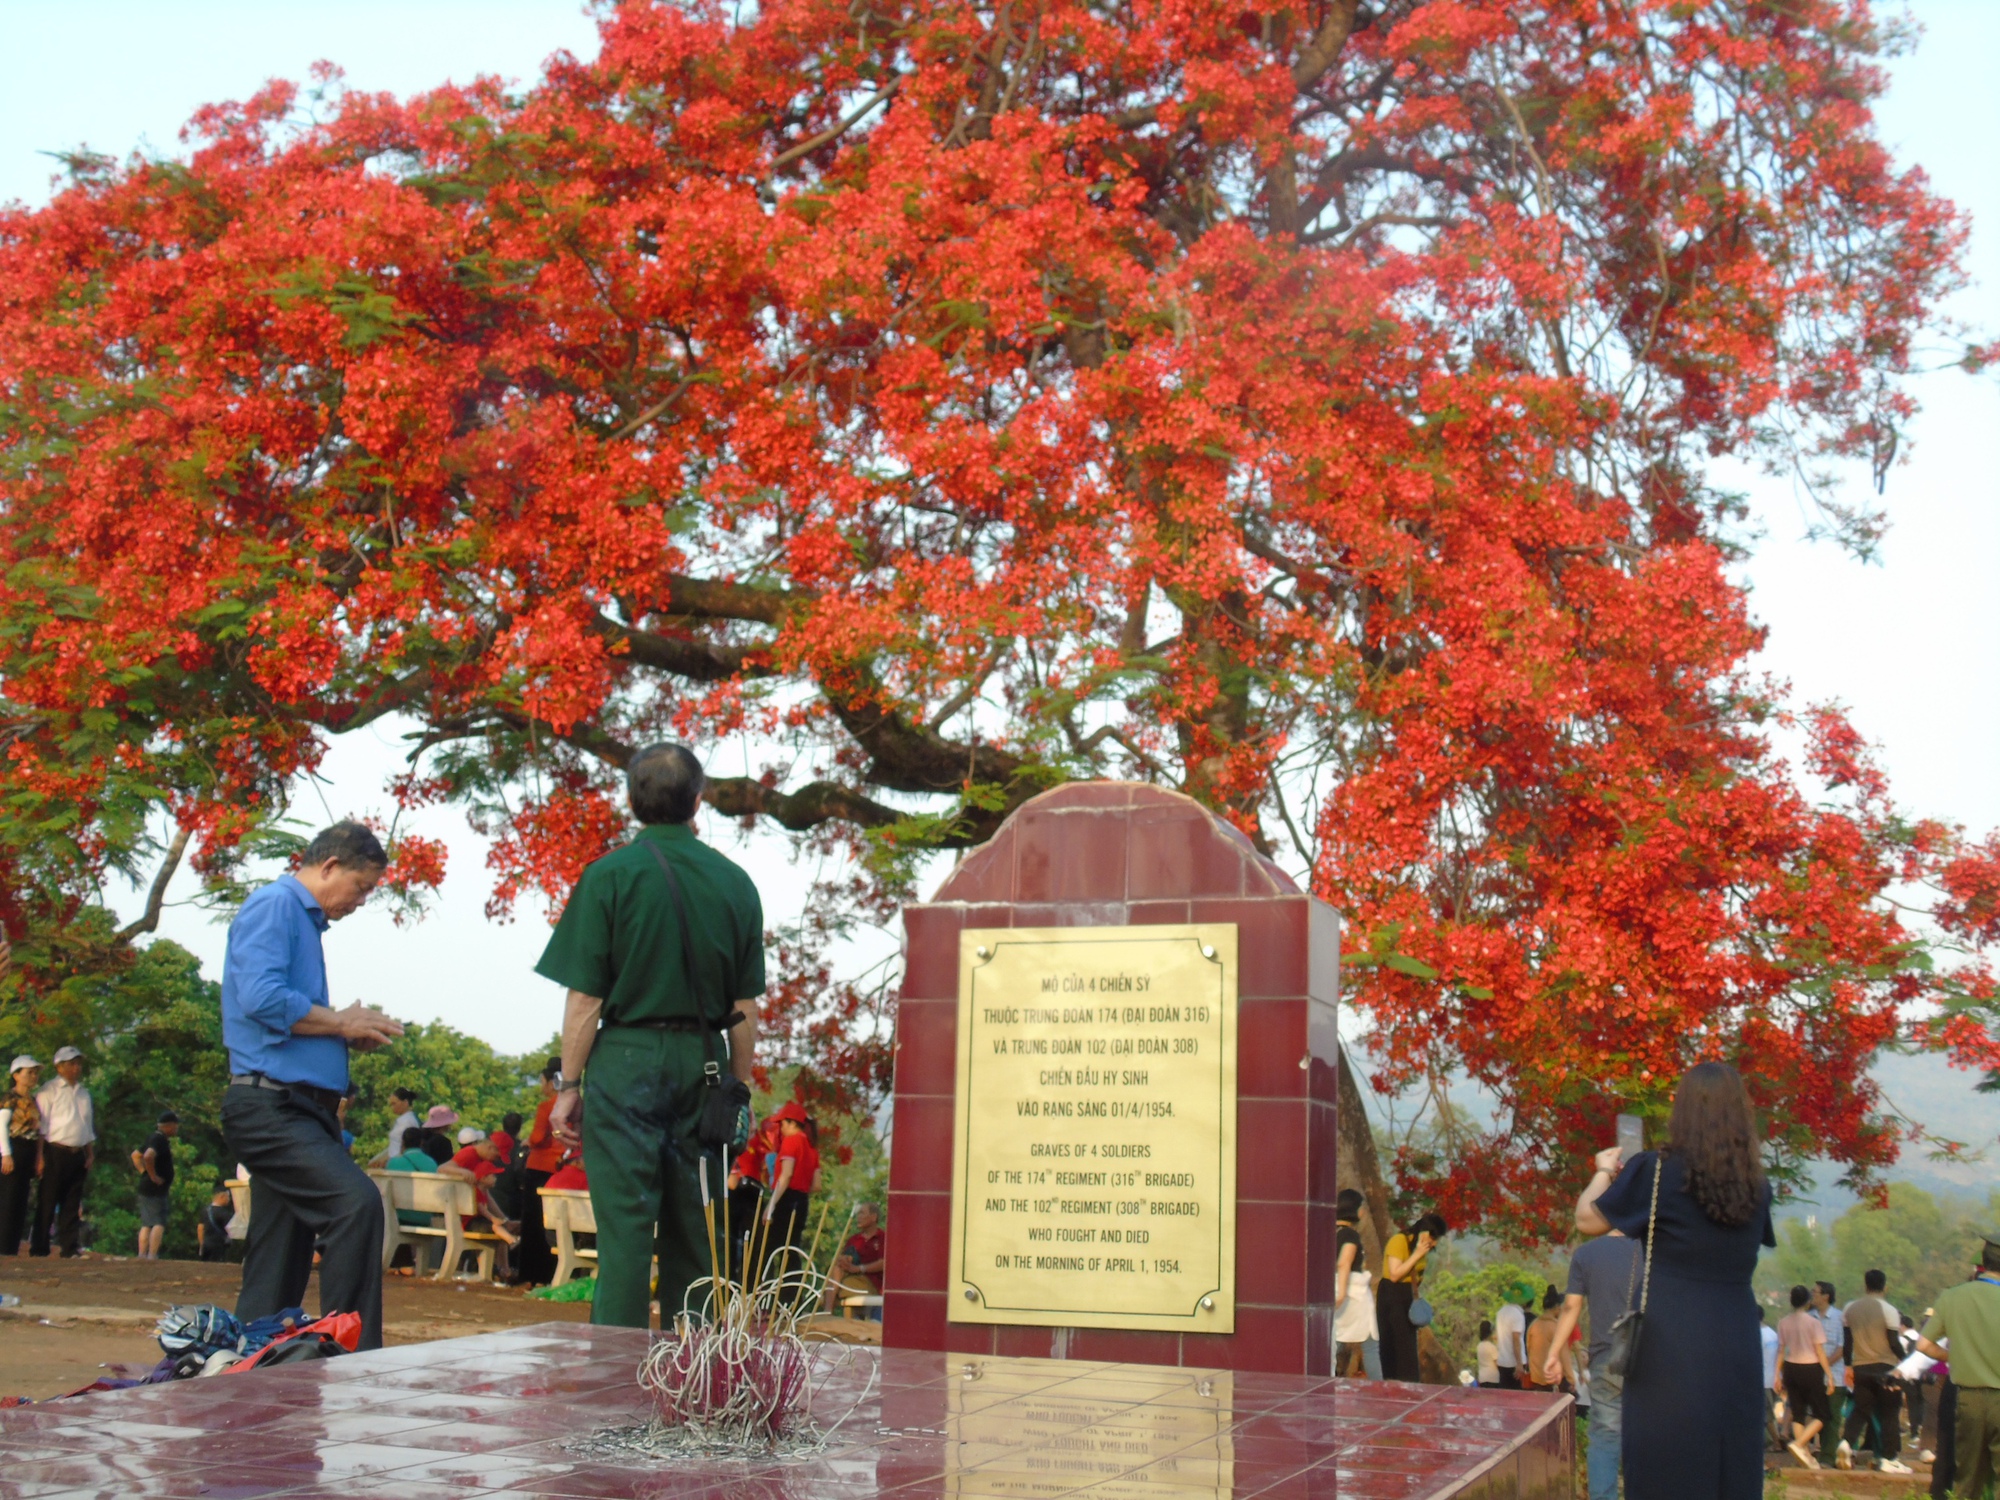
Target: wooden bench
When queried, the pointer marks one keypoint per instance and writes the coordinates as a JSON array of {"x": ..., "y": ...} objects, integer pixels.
[
  {"x": 568, "y": 1212},
  {"x": 445, "y": 1198}
]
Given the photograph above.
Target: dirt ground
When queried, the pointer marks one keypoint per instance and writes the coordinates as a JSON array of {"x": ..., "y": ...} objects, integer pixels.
[{"x": 77, "y": 1316}]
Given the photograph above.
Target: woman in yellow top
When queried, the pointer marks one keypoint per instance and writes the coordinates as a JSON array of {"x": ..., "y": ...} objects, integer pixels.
[{"x": 1403, "y": 1262}]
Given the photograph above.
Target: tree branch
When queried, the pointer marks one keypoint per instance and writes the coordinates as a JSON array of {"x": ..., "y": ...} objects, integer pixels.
[
  {"x": 828, "y": 137},
  {"x": 700, "y": 661},
  {"x": 813, "y": 804},
  {"x": 149, "y": 920},
  {"x": 713, "y": 599},
  {"x": 1326, "y": 43}
]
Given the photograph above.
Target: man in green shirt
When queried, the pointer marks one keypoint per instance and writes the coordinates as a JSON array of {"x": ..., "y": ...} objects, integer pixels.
[
  {"x": 639, "y": 1040},
  {"x": 1969, "y": 1316}
]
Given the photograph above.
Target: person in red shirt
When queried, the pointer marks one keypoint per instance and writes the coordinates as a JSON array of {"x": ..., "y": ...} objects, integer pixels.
[
  {"x": 478, "y": 1154},
  {"x": 569, "y": 1178},
  {"x": 857, "y": 1270},
  {"x": 747, "y": 1182},
  {"x": 478, "y": 1161},
  {"x": 793, "y": 1177},
  {"x": 545, "y": 1154}
]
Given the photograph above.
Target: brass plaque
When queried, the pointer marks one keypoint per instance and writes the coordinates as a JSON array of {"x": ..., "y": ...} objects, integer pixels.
[{"x": 1094, "y": 1167}]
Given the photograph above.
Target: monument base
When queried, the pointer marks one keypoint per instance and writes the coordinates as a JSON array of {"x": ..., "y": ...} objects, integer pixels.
[{"x": 495, "y": 1413}]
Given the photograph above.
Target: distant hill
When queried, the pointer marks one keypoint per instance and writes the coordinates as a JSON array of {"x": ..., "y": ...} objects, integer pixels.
[{"x": 1941, "y": 1097}]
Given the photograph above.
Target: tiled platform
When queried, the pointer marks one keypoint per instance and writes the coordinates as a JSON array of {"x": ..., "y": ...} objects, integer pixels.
[{"x": 488, "y": 1414}]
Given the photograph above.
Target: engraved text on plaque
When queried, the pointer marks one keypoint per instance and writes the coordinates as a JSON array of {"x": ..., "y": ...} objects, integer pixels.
[{"x": 1094, "y": 1175}]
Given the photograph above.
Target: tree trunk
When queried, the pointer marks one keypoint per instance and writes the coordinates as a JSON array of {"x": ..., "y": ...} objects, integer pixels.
[{"x": 1357, "y": 1166}]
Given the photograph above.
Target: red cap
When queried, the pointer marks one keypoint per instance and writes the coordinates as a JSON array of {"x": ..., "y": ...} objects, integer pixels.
[{"x": 791, "y": 1109}]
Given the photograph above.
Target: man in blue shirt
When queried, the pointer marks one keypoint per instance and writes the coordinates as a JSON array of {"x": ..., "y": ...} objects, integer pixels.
[{"x": 288, "y": 1069}]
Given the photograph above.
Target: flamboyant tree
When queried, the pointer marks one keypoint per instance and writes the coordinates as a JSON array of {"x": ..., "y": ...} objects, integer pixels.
[{"x": 940, "y": 401}]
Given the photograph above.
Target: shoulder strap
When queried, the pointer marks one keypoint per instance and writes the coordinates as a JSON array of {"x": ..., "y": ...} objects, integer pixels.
[
  {"x": 1652, "y": 1219},
  {"x": 688, "y": 970}
]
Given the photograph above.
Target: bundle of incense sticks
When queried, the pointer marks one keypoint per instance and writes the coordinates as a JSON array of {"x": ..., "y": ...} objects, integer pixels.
[{"x": 735, "y": 1368}]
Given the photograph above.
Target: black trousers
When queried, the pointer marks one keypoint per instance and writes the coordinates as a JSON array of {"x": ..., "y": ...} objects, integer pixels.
[
  {"x": 1398, "y": 1335},
  {"x": 788, "y": 1229},
  {"x": 59, "y": 1204},
  {"x": 745, "y": 1204},
  {"x": 17, "y": 1192},
  {"x": 1944, "y": 1468},
  {"x": 1876, "y": 1395},
  {"x": 535, "y": 1263},
  {"x": 303, "y": 1188},
  {"x": 1805, "y": 1394}
]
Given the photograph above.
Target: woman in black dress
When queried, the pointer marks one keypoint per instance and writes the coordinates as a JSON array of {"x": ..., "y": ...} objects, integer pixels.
[{"x": 1694, "y": 1416}]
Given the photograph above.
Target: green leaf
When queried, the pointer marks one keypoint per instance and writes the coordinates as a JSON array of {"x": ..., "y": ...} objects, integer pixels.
[{"x": 1416, "y": 968}]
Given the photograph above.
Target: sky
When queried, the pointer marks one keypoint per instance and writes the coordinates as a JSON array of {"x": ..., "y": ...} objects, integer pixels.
[{"x": 1910, "y": 643}]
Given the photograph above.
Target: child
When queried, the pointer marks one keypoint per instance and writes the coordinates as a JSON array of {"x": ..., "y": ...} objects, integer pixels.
[{"x": 1489, "y": 1356}]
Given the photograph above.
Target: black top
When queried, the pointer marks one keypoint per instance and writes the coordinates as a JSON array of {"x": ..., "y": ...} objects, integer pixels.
[
  {"x": 215, "y": 1222},
  {"x": 163, "y": 1165},
  {"x": 1347, "y": 1234},
  {"x": 1691, "y": 1245}
]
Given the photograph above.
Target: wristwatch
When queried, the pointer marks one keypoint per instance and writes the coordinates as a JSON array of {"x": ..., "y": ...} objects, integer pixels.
[{"x": 567, "y": 1084}]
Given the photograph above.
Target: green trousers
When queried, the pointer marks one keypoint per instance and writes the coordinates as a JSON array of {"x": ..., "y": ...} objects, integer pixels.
[
  {"x": 642, "y": 1100},
  {"x": 1977, "y": 1451}
]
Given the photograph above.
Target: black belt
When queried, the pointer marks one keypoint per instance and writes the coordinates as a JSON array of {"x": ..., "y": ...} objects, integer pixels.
[
  {"x": 672, "y": 1023},
  {"x": 326, "y": 1099}
]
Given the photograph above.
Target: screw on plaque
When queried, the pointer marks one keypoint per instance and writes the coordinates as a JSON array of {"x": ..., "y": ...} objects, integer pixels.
[
  {"x": 982, "y": 952},
  {"x": 971, "y": 1295},
  {"x": 1208, "y": 1304},
  {"x": 1207, "y": 951}
]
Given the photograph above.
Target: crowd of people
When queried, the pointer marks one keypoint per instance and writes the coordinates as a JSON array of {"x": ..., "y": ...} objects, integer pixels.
[
  {"x": 1684, "y": 1380},
  {"x": 48, "y": 1148},
  {"x": 53, "y": 1124},
  {"x": 660, "y": 953}
]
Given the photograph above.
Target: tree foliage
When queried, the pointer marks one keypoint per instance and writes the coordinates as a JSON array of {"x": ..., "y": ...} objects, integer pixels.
[
  {"x": 441, "y": 1065},
  {"x": 1921, "y": 1243},
  {"x": 950, "y": 400}
]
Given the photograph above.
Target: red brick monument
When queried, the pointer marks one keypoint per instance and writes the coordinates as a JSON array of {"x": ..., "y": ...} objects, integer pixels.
[{"x": 1135, "y": 1074}]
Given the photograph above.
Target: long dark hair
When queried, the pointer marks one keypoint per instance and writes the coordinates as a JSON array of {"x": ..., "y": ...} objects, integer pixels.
[{"x": 1714, "y": 1137}]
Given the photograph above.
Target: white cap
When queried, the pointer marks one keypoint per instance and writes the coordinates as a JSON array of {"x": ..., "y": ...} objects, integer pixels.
[
  {"x": 23, "y": 1061},
  {"x": 68, "y": 1054},
  {"x": 471, "y": 1135}
]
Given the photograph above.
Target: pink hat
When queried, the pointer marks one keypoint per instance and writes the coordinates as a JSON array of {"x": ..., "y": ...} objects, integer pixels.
[{"x": 441, "y": 1117}]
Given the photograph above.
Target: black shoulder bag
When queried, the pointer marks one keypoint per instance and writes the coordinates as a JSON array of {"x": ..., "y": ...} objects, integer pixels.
[
  {"x": 1622, "y": 1347},
  {"x": 724, "y": 1096}
]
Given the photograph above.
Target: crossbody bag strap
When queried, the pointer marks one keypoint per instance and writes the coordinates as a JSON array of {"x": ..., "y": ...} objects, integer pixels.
[
  {"x": 709, "y": 1023},
  {"x": 1652, "y": 1220}
]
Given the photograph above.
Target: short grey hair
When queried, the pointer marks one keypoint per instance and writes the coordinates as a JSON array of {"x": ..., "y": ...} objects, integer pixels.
[
  {"x": 665, "y": 783},
  {"x": 348, "y": 843}
]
